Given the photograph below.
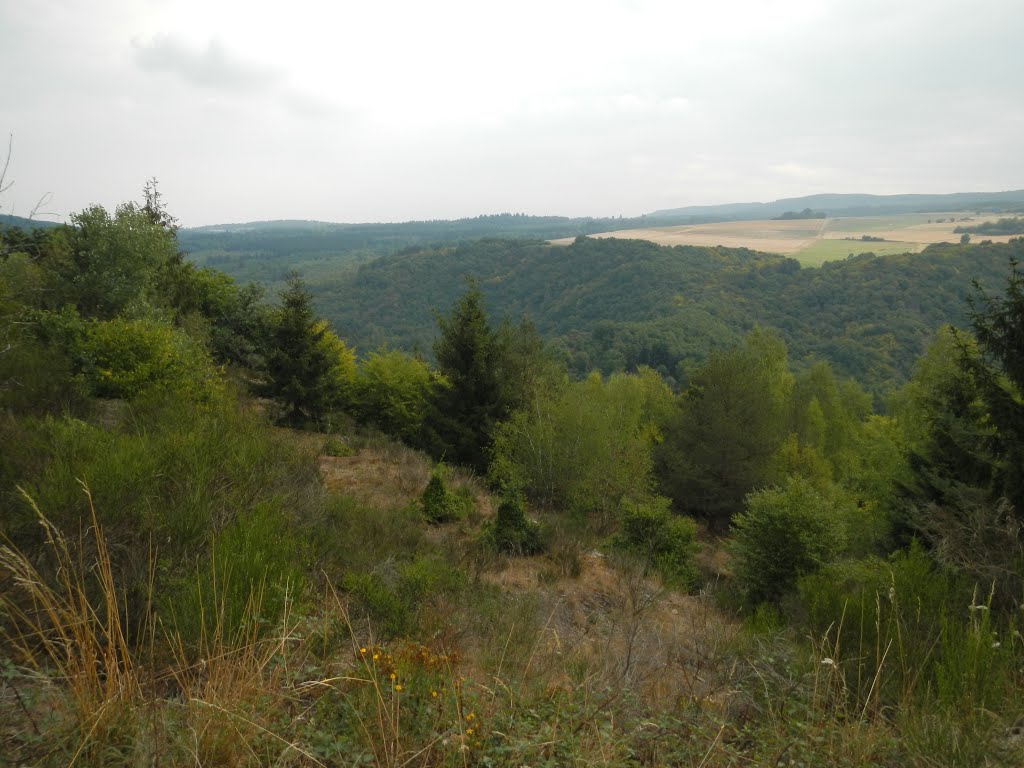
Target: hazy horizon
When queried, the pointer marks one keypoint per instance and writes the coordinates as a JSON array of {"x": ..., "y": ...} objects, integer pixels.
[{"x": 400, "y": 111}]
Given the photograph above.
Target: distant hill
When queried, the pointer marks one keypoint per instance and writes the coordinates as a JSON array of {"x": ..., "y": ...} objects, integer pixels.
[
  {"x": 854, "y": 205},
  {"x": 613, "y": 304},
  {"x": 266, "y": 251},
  {"x": 6, "y": 220}
]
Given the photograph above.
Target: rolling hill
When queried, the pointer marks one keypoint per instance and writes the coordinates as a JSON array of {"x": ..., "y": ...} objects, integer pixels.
[{"x": 617, "y": 304}]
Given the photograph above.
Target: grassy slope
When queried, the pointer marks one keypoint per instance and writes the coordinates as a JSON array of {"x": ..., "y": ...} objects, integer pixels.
[{"x": 571, "y": 658}]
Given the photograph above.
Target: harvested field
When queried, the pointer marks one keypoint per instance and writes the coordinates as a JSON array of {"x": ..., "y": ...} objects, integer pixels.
[{"x": 815, "y": 241}]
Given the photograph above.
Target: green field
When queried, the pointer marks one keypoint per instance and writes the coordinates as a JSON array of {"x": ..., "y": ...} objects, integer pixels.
[
  {"x": 832, "y": 250},
  {"x": 883, "y": 223}
]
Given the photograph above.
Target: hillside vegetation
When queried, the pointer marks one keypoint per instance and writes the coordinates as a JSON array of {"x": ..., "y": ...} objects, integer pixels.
[
  {"x": 614, "y": 304},
  {"x": 229, "y": 540}
]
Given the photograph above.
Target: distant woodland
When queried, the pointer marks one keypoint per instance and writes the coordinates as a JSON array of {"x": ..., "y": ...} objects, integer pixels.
[
  {"x": 1006, "y": 226},
  {"x": 611, "y": 305}
]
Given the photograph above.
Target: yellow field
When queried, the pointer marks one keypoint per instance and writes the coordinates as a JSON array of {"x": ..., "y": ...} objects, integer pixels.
[{"x": 815, "y": 241}]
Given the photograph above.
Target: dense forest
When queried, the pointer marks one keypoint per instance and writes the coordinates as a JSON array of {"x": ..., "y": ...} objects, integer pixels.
[
  {"x": 613, "y": 305},
  {"x": 228, "y": 539},
  {"x": 268, "y": 251}
]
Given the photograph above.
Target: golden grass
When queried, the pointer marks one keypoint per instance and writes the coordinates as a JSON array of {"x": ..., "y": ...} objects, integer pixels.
[
  {"x": 57, "y": 632},
  {"x": 90, "y": 691}
]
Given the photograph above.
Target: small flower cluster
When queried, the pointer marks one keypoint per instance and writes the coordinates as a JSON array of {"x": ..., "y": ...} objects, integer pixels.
[{"x": 412, "y": 667}]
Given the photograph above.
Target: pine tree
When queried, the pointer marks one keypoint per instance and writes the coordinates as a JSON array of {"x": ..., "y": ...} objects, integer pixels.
[
  {"x": 468, "y": 409},
  {"x": 298, "y": 362}
]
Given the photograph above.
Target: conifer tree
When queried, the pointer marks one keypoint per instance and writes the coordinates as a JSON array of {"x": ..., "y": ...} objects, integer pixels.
[
  {"x": 467, "y": 356},
  {"x": 299, "y": 362}
]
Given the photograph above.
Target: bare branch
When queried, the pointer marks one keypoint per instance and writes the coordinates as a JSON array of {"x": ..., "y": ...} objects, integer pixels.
[
  {"x": 44, "y": 200},
  {"x": 7, "y": 162}
]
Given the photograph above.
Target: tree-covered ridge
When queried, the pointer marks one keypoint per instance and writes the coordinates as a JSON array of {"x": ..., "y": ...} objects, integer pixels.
[
  {"x": 618, "y": 304},
  {"x": 1006, "y": 226},
  {"x": 267, "y": 251},
  {"x": 858, "y": 205}
]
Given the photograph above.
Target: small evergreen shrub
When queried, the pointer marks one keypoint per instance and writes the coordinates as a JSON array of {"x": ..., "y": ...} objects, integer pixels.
[
  {"x": 783, "y": 534},
  {"x": 440, "y": 504},
  {"x": 664, "y": 542},
  {"x": 511, "y": 531}
]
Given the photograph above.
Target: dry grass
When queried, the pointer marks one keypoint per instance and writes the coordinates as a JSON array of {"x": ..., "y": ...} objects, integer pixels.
[
  {"x": 382, "y": 475},
  {"x": 387, "y": 475},
  {"x": 625, "y": 629},
  {"x": 58, "y": 633},
  {"x": 81, "y": 691}
]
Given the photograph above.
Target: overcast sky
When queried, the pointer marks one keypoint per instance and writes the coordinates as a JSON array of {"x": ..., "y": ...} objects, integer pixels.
[{"x": 393, "y": 110}]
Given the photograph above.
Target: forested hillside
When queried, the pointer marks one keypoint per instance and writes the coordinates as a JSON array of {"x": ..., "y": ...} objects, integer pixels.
[
  {"x": 229, "y": 540},
  {"x": 613, "y": 304},
  {"x": 267, "y": 251}
]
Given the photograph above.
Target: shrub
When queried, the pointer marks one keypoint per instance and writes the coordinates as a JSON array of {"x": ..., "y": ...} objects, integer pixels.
[
  {"x": 337, "y": 446},
  {"x": 393, "y": 594},
  {"x": 127, "y": 358},
  {"x": 664, "y": 542},
  {"x": 440, "y": 505},
  {"x": 783, "y": 534},
  {"x": 168, "y": 483},
  {"x": 511, "y": 531}
]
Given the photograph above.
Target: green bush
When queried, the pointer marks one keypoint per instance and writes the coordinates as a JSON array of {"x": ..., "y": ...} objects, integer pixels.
[
  {"x": 337, "y": 446},
  {"x": 173, "y": 483},
  {"x": 393, "y": 392},
  {"x": 783, "y": 534},
  {"x": 511, "y": 531},
  {"x": 441, "y": 505},
  {"x": 392, "y": 595},
  {"x": 124, "y": 358},
  {"x": 664, "y": 542}
]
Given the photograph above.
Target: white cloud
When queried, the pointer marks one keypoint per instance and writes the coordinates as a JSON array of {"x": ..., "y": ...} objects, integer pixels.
[
  {"x": 211, "y": 66},
  {"x": 400, "y": 109}
]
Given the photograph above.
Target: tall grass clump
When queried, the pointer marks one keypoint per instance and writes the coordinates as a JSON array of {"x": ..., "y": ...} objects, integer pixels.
[
  {"x": 71, "y": 628},
  {"x": 91, "y": 694},
  {"x": 908, "y": 641}
]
